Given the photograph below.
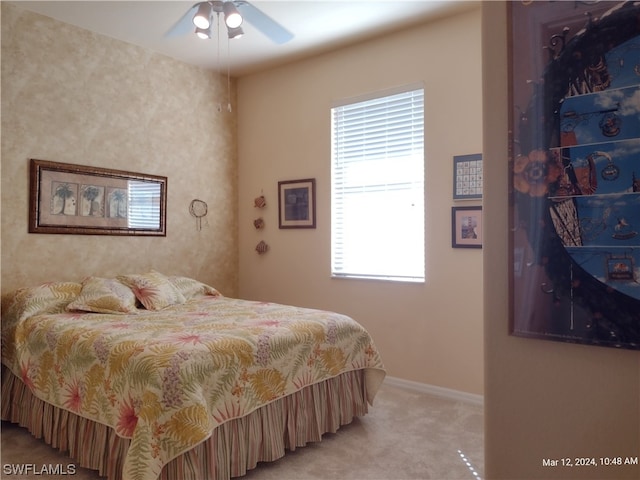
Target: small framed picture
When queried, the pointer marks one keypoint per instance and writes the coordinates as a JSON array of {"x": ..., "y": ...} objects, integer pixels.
[
  {"x": 297, "y": 203},
  {"x": 467, "y": 177},
  {"x": 466, "y": 227}
]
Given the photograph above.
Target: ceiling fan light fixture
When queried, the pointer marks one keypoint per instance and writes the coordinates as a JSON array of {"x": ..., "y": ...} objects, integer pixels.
[
  {"x": 236, "y": 32},
  {"x": 202, "y": 18},
  {"x": 232, "y": 16},
  {"x": 204, "y": 33}
]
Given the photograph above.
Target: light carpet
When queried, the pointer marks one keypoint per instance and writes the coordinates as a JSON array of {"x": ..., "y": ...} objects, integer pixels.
[{"x": 407, "y": 435}]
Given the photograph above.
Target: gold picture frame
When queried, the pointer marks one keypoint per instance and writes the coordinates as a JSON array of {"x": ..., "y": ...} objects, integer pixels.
[{"x": 66, "y": 198}]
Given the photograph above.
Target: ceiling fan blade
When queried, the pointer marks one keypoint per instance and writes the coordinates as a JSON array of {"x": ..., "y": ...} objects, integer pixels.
[
  {"x": 185, "y": 24},
  {"x": 263, "y": 22}
]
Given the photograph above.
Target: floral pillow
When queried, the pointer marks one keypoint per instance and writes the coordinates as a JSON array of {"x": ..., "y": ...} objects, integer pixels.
[
  {"x": 191, "y": 288},
  {"x": 154, "y": 290},
  {"x": 104, "y": 295},
  {"x": 46, "y": 298}
]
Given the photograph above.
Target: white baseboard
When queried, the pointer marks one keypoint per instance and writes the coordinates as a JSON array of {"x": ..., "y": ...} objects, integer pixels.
[{"x": 435, "y": 390}]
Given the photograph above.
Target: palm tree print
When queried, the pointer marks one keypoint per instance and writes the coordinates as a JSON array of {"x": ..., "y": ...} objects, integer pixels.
[
  {"x": 64, "y": 192},
  {"x": 90, "y": 193},
  {"x": 118, "y": 198}
]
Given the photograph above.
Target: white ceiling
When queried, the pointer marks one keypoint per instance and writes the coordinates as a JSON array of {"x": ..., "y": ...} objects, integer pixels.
[{"x": 317, "y": 26}]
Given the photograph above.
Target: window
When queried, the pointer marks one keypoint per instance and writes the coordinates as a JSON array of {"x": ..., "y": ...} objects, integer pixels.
[{"x": 377, "y": 190}]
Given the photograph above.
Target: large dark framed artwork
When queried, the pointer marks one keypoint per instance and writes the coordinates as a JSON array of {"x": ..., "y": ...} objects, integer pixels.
[
  {"x": 575, "y": 172},
  {"x": 77, "y": 199}
]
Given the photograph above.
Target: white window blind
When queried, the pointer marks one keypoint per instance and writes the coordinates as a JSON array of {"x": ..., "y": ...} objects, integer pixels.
[
  {"x": 377, "y": 224},
  {"x": 144, "y": 205}
]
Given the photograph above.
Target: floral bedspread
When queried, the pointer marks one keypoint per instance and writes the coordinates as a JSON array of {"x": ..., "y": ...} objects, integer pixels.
[{"x": 166, "y": 379}]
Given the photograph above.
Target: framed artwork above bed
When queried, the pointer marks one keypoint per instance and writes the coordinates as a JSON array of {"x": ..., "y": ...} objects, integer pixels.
[{"x": 76, "y": 199}]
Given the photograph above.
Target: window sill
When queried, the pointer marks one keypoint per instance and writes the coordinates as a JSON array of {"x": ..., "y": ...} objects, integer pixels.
[{"x": 382, "y": 278}]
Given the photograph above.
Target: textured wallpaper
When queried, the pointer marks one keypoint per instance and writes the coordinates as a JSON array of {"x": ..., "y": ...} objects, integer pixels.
[{"x": 69, "y": 95}]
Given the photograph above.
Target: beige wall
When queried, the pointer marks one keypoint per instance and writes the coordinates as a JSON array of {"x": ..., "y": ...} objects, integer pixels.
[
  {"x": 69, "y": 95},
  {"x": 429, "y": 333},
  {"x": 543, "y": 400}
]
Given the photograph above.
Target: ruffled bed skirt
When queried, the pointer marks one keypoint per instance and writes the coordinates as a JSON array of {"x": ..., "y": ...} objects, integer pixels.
[{"x": 233, "y": 448}]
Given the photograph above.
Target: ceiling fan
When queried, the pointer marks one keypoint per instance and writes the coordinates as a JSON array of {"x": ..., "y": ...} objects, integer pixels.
[{"x": 199, "y": 18}]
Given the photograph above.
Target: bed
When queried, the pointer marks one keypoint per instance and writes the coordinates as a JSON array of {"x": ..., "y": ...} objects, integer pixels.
[{"x": 147, "y": 376}]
